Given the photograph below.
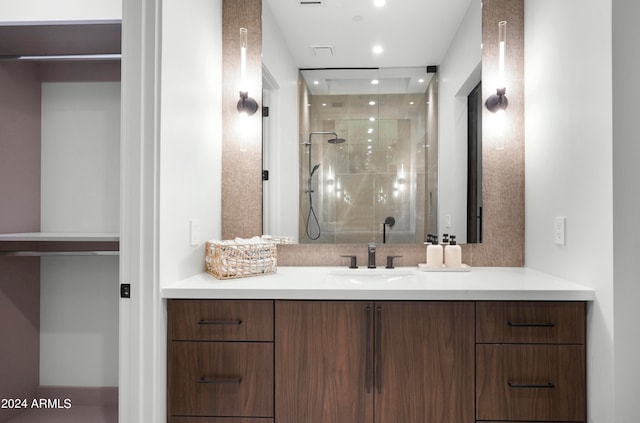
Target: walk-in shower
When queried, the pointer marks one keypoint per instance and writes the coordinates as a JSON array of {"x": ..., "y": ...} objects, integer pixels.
[{"x": 312, "y": 170}]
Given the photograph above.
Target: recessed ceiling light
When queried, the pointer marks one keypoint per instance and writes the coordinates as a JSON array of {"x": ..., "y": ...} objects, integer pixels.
[
  {"x": 421, "y": 80},
  {"x": 372, "y": 103},
  {"x": 375, "y": 81},
  {"x": 377, "y": 49},
  {"x": 411, "y": 103},
  {"x": 379, "y": 3},
  {"x": 316, "y": 82}
]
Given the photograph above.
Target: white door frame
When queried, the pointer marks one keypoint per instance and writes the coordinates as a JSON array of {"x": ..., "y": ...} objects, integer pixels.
[{"x": 141, "y": 378}]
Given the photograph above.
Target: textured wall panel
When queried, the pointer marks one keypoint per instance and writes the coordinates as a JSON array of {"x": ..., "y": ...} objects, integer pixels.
[
  {"x": 241, "y": 139},
  {"x": 503, "y": 151}
]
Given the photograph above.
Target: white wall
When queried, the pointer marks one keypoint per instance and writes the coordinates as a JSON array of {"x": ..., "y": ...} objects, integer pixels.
[
  {"x": 191, "y": 137},
  {"x": 283, "y": 184},
  {"x": 459, "y": 73},
  {"x": 79, "y": 321},
  {"x": 568, "y": 171},
  {"x": 60, "y": 10},
  {"x": 79, "y": 193},
  {"x": 80, "y": 155},
  {"x": 626, "y": 203}
]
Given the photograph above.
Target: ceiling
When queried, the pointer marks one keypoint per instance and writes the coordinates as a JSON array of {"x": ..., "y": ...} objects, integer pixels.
[{"x": 411, "y": 32}]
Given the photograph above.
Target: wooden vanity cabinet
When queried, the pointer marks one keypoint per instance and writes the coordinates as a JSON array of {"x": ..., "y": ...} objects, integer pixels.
[
  {"x": 248, "y": 361},
  {"x": 220, "y": 361},
  {"x": 387, "y": 361},
  {"x": 531, "y": 361}
]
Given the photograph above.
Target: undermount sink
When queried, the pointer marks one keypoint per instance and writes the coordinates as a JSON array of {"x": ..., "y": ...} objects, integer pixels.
[{"x": 368, "y": 276}]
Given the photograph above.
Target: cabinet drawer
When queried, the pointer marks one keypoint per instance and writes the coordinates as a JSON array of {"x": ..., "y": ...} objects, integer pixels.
[
  {"x": 220, "y": 320},
  {"x": 530, "y": 322},
  {"x": 530, "y": 382},
  {"x": 221, "y": 379},
  {"x": 217, "y": 420}
]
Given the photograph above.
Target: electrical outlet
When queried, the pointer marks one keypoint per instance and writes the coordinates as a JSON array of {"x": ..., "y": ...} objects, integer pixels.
[
  {"x": 195, "y": 232},
  {"x": 559, "y": 224}
]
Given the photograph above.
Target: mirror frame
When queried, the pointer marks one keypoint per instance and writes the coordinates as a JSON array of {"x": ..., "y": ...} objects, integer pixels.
[{"x": 503, "y": 153}]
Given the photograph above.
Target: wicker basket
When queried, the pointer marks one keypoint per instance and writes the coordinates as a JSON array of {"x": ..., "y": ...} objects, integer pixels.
[{"x": 227, "y": 261}]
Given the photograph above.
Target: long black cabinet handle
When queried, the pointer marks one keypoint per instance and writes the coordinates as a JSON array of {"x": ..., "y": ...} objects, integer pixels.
[
  {"x": 379, "y": 349},
  {"x": 220, "y": 322},
  {"x": 368, "y": 370},
  {"x": 230, "y": 380},
  {"x": 547, "y": 385},
  {"x": 531, "y": 325}
]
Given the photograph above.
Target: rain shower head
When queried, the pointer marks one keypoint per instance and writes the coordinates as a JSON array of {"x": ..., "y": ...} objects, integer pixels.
[{"x": 334, "y": 140}]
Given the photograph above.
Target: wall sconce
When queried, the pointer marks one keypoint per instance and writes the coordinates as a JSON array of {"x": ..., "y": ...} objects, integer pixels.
[
  {"x": 246, "y": 105},
  {"x": 498, "y": 101}
]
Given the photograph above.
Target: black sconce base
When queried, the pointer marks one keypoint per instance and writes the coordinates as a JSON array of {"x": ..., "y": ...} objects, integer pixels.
[
  {"x": 247, "y": 104},
  {"x": 497, "y": 101}
]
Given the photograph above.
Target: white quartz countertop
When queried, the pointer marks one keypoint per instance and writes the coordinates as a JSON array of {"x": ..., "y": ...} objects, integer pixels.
[{"x": 401, "y": 283}]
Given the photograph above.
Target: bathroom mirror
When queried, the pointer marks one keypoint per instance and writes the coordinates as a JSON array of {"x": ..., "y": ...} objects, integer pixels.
[
  {"x": 410, "y": 177},
  {"x": 368, "y": 166}
]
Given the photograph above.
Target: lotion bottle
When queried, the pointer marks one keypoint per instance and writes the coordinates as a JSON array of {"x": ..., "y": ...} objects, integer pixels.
[
  {"x": 434, "y": 253},
  {"x": 452, "y": 254}
]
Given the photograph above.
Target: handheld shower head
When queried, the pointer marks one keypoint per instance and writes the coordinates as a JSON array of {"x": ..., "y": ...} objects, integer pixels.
[{"x": 314, "y": 170}]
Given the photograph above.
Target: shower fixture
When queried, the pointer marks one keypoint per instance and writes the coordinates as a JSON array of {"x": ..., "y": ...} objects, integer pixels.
[
  {"x": 312, "y": 170},
  {"x": 334, "y": 140}
]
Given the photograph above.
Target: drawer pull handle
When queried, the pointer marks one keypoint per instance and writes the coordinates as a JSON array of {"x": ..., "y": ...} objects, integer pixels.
[
  {"x": 220, "y": 322},
  {"x": 547, "y": 385},
  {"x": 531, "y": 325},
  {"x": 368, "y": 375},
  {"x": 378, "y": 350},
  {"x": 235, "y": 380}
]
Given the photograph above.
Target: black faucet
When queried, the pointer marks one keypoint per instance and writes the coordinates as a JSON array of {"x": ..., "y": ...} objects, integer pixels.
[{"x": 372, "y": 256}]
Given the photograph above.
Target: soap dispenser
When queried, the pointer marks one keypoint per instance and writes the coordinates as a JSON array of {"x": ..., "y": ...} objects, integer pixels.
[
  {"x": 434, "y": 253},
  {"x": 452, "y": 254}
]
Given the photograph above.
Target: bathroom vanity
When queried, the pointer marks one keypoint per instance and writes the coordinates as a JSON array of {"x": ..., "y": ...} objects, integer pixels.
[{"x": 321, "y": 344}]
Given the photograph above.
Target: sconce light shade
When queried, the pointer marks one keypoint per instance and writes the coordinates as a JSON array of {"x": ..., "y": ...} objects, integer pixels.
[
  {"x": 246, "y": 104},
  {"x": 497, "y": 101}
]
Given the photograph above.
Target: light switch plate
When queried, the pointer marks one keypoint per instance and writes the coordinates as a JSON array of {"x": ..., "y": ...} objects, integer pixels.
[{"x": 559, "y": 224}]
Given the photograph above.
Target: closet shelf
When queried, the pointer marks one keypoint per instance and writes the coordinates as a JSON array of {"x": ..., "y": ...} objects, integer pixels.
[{"x": 68, "y": 243}]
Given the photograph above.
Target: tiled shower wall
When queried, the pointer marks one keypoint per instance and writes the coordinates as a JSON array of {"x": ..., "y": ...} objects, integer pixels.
[{"x": 379, "y": 172}]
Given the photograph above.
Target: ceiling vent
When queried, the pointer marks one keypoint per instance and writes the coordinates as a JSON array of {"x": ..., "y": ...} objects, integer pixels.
[
  {"x": 311, "y": 2},
  {"x": 322, "y": 51}
]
